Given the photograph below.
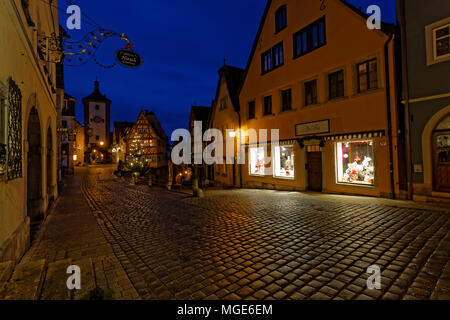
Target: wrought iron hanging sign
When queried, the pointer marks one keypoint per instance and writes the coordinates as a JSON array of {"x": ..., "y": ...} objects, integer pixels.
[
  {"x": 128, "y": 58},
  {"x": 78, "y": 53}
]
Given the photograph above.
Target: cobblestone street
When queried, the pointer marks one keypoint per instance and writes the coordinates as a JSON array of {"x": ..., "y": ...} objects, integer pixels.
[{"x": 260, "y": 244}]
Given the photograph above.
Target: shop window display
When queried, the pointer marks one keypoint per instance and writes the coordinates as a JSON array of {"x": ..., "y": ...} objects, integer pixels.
[
  {"x": 284, "y": 162},
  {"x": 257, "y": 161},
  {"x": 354, "y": 162}
]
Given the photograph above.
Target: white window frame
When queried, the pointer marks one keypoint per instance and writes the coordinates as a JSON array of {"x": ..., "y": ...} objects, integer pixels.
[
  {"x": 339, "y": 169},
  {"x": 435, "y": 40},
  {"x": 250, "y": 162},
  {"x": 430, "y": 37},
  {"x": 276, "y": 161}
]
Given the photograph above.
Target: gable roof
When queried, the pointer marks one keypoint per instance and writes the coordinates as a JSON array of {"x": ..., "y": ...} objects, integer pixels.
[
  {"x": 234, "y": 78},
  {"x": 154, "y": 122},
  {"x": 385, "y": 27}
]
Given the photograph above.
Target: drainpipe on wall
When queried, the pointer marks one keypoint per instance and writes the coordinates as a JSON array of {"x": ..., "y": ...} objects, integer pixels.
[
  {"x": 406, "y": 93},
  {"x": 389, "y": 116},
  {"x": 240, "y": 146}
]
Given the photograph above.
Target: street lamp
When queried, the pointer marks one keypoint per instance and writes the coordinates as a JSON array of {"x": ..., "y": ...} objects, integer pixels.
[{"x": 102, "y": 143}]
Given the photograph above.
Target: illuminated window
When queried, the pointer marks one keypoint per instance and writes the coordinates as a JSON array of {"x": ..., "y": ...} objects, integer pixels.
[
  {"x": 354, "y": 162},
  {"x": 284, "y": 162},
  {"x": 256, "y": 161}
]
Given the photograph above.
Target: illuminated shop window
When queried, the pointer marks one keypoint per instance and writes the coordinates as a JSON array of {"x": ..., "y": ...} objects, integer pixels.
[
  {"x": 354, "y": 162},
  {"x": 257, "y": 161},
  {"x": 284, "y": 162}
]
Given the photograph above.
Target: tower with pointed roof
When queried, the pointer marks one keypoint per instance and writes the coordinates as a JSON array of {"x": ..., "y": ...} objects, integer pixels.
[{"x": 97, "y": 113}]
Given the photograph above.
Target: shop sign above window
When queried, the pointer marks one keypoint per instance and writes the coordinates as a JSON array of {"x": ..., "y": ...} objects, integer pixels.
[{"x": 316, "y": 127}]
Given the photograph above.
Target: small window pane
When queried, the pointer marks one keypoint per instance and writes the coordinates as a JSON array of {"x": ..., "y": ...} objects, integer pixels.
[
  {"x": 251, "y": 110},
  {"x": 311, "y": 92},
  {"x": 442, "y": 32},
  {"x": 321, "y": 33},
  {"x": 443, "y": 47},
  {"x": 315, "y": 37},
  {"x": 268, "y": 105},
  {"x": 286, "y": 100},
  {"x": 304, "y": 42}
]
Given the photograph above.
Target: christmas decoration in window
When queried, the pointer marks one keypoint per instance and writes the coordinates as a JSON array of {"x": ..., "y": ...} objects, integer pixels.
[
  {"x": 355, "y": 162},
  {"x": 257, "y": 161},
  {"x": 284, "y": 162}
]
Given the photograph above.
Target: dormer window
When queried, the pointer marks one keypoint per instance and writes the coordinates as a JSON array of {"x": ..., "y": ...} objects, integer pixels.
[{"x": 280, "y": 19}]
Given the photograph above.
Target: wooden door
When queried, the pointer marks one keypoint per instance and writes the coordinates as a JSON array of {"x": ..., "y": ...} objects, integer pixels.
[
  {"x": 441, "y": 161},
  {"x": 314, "y": 171}
]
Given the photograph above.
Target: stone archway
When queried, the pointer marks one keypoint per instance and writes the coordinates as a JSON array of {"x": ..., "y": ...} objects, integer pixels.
[
  {"x": 50, "y": 153},
  {"x": 34, "y": 168},
  {"x": 428, "y": 144}
]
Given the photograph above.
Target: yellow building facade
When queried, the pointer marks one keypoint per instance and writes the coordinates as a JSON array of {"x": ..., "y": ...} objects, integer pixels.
[
  {"x": 28, "y": 175},
  {"x": 225, "y": 118},
  {"x": 324, "y": 80}
]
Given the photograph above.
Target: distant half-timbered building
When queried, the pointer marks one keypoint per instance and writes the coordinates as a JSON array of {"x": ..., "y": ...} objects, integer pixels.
[{"x": 149, "y": 138}]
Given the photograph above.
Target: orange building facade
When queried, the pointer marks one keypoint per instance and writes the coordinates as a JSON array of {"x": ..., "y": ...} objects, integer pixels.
[{"x": 327, "y": 83}]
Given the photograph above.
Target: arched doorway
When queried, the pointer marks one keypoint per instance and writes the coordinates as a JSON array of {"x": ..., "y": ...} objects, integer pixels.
[
  {"x": 34, "y": 169},
  {"x": 50, "y": 191},
  {"x": 441, "y": 156}
]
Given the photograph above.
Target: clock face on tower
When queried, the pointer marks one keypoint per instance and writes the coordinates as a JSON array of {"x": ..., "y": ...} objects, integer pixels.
[{"x": 98, "y": 119}]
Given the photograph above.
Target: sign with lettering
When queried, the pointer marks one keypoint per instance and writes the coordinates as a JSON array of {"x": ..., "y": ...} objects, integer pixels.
[
  {"x": 128, "y": 58},
  {"x": 316, "y": 127}
]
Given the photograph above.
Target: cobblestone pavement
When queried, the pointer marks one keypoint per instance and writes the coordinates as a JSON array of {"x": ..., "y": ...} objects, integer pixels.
[
  {"x": 260, "y": 244},
  {"x": 69, "y": 236}
]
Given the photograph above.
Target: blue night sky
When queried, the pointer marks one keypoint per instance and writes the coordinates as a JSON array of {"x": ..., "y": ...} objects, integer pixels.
[{"x": 183, "y": 44}]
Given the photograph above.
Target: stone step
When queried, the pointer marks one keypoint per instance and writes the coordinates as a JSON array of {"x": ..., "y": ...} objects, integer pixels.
[
  {"x": 48, "y": 281},
  {"x": 25, "y": 283},
  {"x": 55, "y": 284}
]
